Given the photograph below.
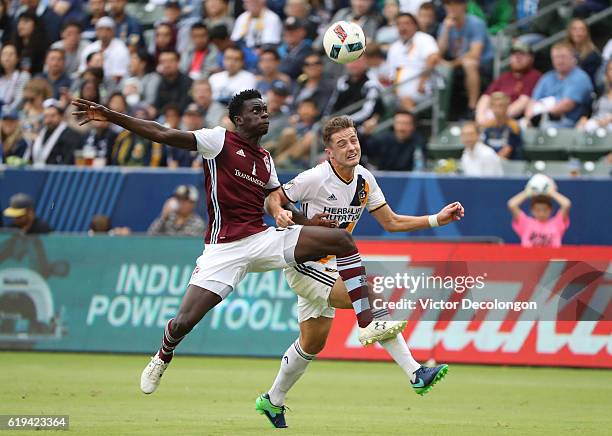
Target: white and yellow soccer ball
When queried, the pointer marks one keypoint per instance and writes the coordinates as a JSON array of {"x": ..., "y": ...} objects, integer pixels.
[
  {"x": 344, "y": 42},
  {"x": 540, "y": 184}
]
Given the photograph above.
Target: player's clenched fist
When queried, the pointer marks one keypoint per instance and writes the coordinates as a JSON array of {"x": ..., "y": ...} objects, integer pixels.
[
  {"x": 451, "y": 212},
  {"x": 284, "y": 218}
]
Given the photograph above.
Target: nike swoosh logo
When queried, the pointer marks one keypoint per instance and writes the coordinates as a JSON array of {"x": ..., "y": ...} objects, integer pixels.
[{"x": 420, "y": 384}]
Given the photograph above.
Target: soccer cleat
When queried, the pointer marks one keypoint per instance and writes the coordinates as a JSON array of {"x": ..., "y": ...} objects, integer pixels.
[
  {"x": 276, "y": 414},
  {"x": 378, "y": 331},
  {"x": 151, "y": 375},
  {"x": 425, "y": 378}
]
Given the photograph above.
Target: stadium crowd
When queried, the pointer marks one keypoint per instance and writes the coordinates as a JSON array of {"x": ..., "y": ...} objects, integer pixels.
[{"x": 182, "y": 69}]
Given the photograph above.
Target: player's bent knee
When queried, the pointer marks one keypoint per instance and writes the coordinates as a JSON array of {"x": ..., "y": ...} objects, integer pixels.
[
  {"x": 345, "y": 241},
  {"x": 313, "y": 345},
  {"x": 181, "y": 325}
]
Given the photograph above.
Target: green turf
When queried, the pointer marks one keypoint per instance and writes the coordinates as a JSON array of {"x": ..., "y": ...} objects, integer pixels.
[{"x": 208, "y": 396}]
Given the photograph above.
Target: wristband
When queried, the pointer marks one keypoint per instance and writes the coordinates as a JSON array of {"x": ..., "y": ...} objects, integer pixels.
[{"x": 433, "y": 220}]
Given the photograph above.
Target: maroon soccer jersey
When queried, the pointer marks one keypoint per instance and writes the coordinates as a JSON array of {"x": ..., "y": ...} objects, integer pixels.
[{"x": 237, "y": 176}]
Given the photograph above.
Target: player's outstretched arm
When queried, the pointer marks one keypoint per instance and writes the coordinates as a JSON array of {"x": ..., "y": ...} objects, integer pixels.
[
  {"x": 514, "y": 204},
  {"x": 392, "y": 222},
  {"x": 90, "y": 111}
]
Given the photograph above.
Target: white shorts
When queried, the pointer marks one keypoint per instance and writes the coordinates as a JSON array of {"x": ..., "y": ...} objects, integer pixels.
[
  {"x": 222, "y": 266},
  {"x": 312, "y": 282}
]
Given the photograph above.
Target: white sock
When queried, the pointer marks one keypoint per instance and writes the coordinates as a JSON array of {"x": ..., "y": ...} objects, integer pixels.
[
  {"x": 293, "y": 364},
  {"x": 398, "y": 349}
]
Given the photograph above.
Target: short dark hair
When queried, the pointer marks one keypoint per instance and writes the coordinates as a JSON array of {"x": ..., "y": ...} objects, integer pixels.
[
  {"x": 174, "y": 52},
  {"x": 271, "y": 51},
  {"x": 171, "y": 107},
  {"x": 199, "y": 25},
  {"x": 58, "y": 50},
  {"x": 219, "y": 32},
  {"x": 334, "y": 125},
  {"x": 409, "y": 15},
  {"x": 406, "y": 112},
  {"x": 72, "y": 23},
  {"x": 542, "y": 199},
  {"x": 235, "y": 105},
  {"x": 235, "y": 48},
  {"x": 428, "y": 6}
]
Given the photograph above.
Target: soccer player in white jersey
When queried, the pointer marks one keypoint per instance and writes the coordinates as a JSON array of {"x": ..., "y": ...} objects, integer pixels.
[{"x": 342, "y": 189}]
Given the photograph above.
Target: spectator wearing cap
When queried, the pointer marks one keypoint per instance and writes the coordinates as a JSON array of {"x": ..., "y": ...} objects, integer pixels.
[
  {"x": 301, "y": 9},
  {"x": 96, "y": 10},
  {"x": 174, "y": 85},
  {"x": 200, "y": 60},
  {"x": 201, "y": 94},
  {"x": 126, "y": 27},
  {"x": 562, "y": 95},
  {"x": 192, "y": 119},
  {"x": 295, "y": 47},
  {"x": 178, "y": 217},
  {"x": 56, "y": 142},
  {"x": 410, "y": 61},
  {"x": 73, "y": 45},
  {"x": 276, "y": 98},
  {"x": 312, "y": 84},
  {"x": 115, "y": 53},
  {"x": 466, "y": 47},
  {"x": 502, "y": 133},
  {"x": 257, "y": 25},
  {"x": 269, "y": 63},
  {"x": 234, "y": 79},
  {"x": 55, "y": 72},
  {"x": 517, "y": 84},
  {"x": 21, "y": 210},
  {"x": 12, "y": 79},
  {"x": 362, "y": 12},
  {"x": 11, "y": 136}
]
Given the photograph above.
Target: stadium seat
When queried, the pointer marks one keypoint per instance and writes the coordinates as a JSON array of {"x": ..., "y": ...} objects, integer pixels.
[
  {"x": 552, "y": 168},
  {"x": 591, "y": 146},
  {"x": 514, "y": 167},
  {"x": 552, "y": 144},
  {"x": 446, "y": 145}
]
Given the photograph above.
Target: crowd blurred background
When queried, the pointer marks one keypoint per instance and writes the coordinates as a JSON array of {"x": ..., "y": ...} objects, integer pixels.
[{"x": 449, "y": 85}]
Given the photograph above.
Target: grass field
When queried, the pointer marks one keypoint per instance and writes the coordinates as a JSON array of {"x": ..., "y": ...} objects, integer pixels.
[{"x": 209, "y": 396}]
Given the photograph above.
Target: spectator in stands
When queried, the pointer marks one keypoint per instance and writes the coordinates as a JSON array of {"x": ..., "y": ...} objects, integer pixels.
[
  {"x": 295, "y": 47},
  {"x": 216, "y": 12},
  {"x": 361, "y": 12},
  {"x": 579, "y": 36},
  {"x": 56, "y": 142},
  {"x": 165, "y": 40},
  {"x": 141, "y": 68},
  {"x": 11, "y": 136},
  {"x": 562, "y": 95},
  {"x": 5, "y": 28},
  {"x": 410, "y": 61},
  {"x": 269, "y": 63},
  {"x": 389, "y": 32},
  {"x": 400, "y": 144},
  {"x": 220, "y": 37},
  {"x": 178, "y": 217},
  {"x": 428, "y": 21},
  {"x": 301, "y": 9},
  {"x": 257, "y": 25},
  {"x": 55, "y": 73},
  {"x": 135, "y": 151},
  {"x": 200, "y": 60},
  {"x": 174, "y": 85},
  {"x": 602, "y": 109},
  {"x": 126, "y": 26},
  {"x": 276, "y": 99},
  {"x": 180, "y": 30},
  {"x": 295, "y": 142},
  {"x": 502, "y": 133},
  {"x": 100, "y": 137},
  {"x": 478, "y": 159},
  {"x": 193, "y": 119},
  {"x": 465, "y": 45},
  {"x": 540, "y": 230},
  {"x": 518, "y": 84},
  {"x": 72, "y": 45},
  {"x": 96, "y": 11},
  {"x": 115, "y": 53},
  {"x": 48, "y": 19},
  {"x": 496, "y": 13},
  {"x": 353, "y": 87},
  {"x": 31, "y": 41},
  {"x": 234, "y": 79},
  {"x": 12, "y": 79},
  {"x": 35, "y": 92},
  {"x": 312, "y": 84},
  {"x": 101, "y": 224},
  {"x": 213, "y": 111},
  {"x": 21, "y": 210}
]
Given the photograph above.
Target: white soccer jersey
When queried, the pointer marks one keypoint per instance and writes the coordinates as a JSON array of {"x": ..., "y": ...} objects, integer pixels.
[{"x": 322, "y": 190}]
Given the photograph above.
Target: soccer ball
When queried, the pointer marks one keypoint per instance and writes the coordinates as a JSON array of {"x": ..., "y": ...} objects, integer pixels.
[
  {"x": 540, "y": 184},
  {"x": 344, "y": 42}
]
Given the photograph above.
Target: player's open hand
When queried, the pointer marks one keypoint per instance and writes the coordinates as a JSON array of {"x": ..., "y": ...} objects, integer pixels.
[
  {"x": 320, "y": 219},
  {"x": 450, "y": 213},
  {"x": 88, "y": 111},
  {"x": 284, "y": 218}
]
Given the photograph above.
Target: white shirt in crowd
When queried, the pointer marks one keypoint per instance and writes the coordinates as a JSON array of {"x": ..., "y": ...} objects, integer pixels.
[
  {"x": 224, "y": 86},
  {"x": 481, "y": 161},
  {"x": 116, "y": 57},
  {"x": 406, "y": 61},
  {"x": 411, "y": 6},
  {"x": 256, "y": 31}
]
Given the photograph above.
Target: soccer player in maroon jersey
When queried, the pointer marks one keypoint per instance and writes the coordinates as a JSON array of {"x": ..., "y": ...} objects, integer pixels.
[{"x": 239, "y": 175}]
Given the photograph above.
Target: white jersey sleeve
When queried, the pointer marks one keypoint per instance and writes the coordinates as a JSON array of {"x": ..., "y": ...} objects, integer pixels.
[
  {"x": 305, "y": 186},
  {"x": 273, "y": 182},
  {"x": 376, "y": 198},
  {"x": 209, "y": 141}
]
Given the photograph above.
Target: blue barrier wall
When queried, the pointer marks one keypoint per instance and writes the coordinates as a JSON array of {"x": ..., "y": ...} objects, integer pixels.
[{"x": 68, "y": 197}]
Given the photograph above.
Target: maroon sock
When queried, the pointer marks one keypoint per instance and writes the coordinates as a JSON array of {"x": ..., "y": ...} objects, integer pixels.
[
  {"x": 354, "y": 277},
  {"x": 166, "y": 352}
]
